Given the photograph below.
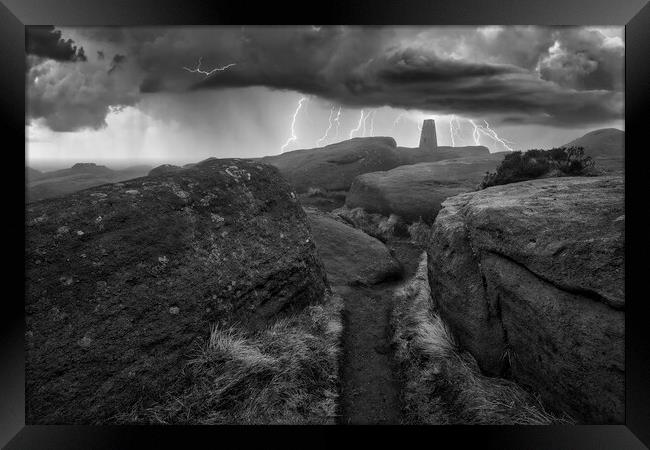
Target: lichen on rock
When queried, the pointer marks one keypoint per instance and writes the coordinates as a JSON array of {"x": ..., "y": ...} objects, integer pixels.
[{"x": 198, "y": 248}]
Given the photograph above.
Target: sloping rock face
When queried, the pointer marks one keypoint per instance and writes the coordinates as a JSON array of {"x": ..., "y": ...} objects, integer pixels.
[
  {"x": 417, "y": 155},
  {"x": 350, "y": 255},
  {"x": 333, "y": 167},
  {"x": 418, "y": 190},
  {"x": 123, "y": 280},
  {"x": 530, "y": 278}
]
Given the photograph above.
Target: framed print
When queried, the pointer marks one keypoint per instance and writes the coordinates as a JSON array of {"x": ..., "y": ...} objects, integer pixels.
[{"x": 418, "y": 217}]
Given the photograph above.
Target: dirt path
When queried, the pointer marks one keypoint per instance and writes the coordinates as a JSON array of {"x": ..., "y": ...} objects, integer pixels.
[{"x": 370, "y": 391}]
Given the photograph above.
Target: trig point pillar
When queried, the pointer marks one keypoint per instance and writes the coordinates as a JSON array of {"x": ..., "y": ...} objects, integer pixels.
[{"x": 428, "y": 139}]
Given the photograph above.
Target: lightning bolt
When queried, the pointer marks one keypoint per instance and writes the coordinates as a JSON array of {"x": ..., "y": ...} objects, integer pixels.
[
  {"x": 372, "y": 123},
  {"x": 364, "y": 123},
  {"x": 338, "y": 123},
  {"x": 207, "y": 73},
  {"x": 475, "y": 134},
  {"x": 452, "y": 131},
  {"x": 293, "y": 136},
  {"x": 493, "y": 134},
  {"x": 328, "y": 128},
  {"x": 358, "y": 126},
  {"x": 489, "y": 132},
  {"x": 397, "y": 119}
]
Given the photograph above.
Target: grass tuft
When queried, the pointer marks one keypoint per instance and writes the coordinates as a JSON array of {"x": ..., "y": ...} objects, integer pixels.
[
  {"x": 376, "y": 225},
  {"x": 441, "y": 384},
  {"x": 419, "y": 232},
  {"x": 286, "y": 373},
  {"x": 556, "y": 162}
]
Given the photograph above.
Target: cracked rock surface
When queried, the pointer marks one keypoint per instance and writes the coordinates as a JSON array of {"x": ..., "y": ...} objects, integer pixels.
[{"x": 530, "y": 278}]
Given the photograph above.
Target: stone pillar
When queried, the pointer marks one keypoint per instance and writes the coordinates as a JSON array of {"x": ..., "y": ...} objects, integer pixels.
[{"x": 428, "y": 139}]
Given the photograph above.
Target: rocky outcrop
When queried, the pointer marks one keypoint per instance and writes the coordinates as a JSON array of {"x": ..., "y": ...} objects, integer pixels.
[
  {"x": 350, "y": 256},
  {"x": 530, "y": 278},
  {"x": 164, "y": 169},
  {"x": 124, "y": 280},
  {"x": 418, "y": 190},
  {"x": 334, "y": 166},
  {"x": 410, "y": 156}
]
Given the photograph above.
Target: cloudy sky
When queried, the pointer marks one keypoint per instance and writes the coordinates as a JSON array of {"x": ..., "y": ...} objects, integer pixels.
[{"x": 121, "y": 96}]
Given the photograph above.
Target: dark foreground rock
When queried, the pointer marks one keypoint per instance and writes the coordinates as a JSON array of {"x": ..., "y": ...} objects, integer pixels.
[
  {"x": 124, "y": 280},
  {"x": 350, "y": 255},
  {"x": 418, "y": 190},
  {"x": 530, "y": 278}
]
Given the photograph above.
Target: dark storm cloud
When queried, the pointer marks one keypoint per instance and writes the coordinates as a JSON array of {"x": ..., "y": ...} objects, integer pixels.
[
  {"x": 579, "y": 60},
  {"x": 46, "y": 42},
  {"x": 556, "y": 76},
  {"x": 408, "y": 79},
  {"x": 117, "y": 60}
]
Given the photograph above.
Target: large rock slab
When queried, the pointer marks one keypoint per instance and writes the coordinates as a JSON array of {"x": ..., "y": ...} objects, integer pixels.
[
  {"x": 409, "y": 156},
  {"x": 530, "y": 278},
  {"x": 351, "y": 256},
  {"x": 123, "y": 280},
  {"x": 334, "y": 166},
  {"x": 418, "y": 190}
]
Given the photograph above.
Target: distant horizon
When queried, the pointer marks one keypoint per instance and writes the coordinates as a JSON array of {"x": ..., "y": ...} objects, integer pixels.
[{"x": 121, "y": 164}]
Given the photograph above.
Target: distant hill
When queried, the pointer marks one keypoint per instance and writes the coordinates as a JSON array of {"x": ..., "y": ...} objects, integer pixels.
[
  {"x": 41, "y": 185},
  {"x": 32, "y": 174},
  {"x": 165, "y": 169},
  {"x": 606, "y": 146},
  {"x": 606, "y": 142}
]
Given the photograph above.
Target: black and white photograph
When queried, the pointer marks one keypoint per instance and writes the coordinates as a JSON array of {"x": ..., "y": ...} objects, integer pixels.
[{"x": 325, "y": 225}]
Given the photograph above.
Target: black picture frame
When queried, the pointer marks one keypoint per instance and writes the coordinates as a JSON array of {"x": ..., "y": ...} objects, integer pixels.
[{"x": 633, "y": 14}]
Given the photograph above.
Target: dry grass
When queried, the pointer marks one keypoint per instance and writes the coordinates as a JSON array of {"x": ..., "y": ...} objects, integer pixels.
[
  {"x": 284, "y": 374},
  {"x": 442, "y": 385},
  {"x": 376, "y": 225},
  {"x": 419, "y": 232}
]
